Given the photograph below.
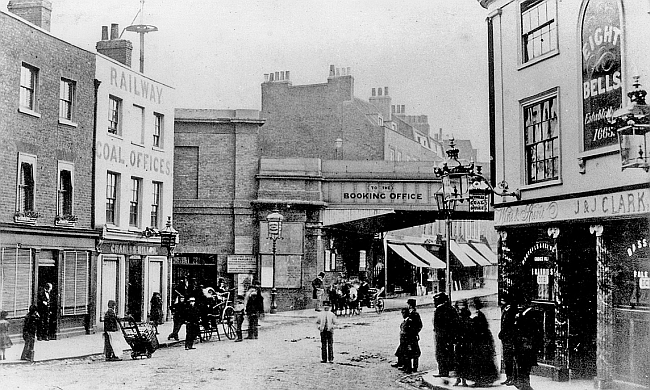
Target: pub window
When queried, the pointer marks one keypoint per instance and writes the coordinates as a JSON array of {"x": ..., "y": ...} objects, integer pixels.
[
  {"x": 28, "y": 87},
  {"x": 66, "y": 99},
  {"x": 112, "y": 182},
  {"x": 541, "y": 139},
  {"x": 114, "y": 115},
  {"x": 16, "y": 281},
  {"x": 538, "y": 28},
  {"x": 25, "y": 190},
  {"x": 330, "y": 260},
  {"x": 134, "y": 202},
  {"x": 155, "y": 203},
  {"x": 75, "y": 282},
  {"x": 65, "y": 189},
  {"x": 158, "y": 129}
]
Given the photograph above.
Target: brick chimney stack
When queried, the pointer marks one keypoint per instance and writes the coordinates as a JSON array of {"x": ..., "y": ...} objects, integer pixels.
[
  {"x": 37, "y": 12},
  {"x": 115, "y": 48}
]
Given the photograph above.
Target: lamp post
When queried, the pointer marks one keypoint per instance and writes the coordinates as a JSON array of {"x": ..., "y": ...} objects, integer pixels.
[
  {"x": 456, "y": 178},
  {"x": 274, "y": 221},
  {"x": 168, "y": 236},
  {"x": 633, "y": 123}
]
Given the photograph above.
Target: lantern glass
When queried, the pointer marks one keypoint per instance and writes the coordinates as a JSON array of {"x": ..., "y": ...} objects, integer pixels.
[
  {"x": 633, "y": 144},
  {"x": 274, "y": 221}
]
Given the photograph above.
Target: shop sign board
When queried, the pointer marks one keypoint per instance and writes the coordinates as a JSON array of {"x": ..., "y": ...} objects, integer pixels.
[
  {"x": 240, "y": 264},
  {"x": 612, "y": 205}
]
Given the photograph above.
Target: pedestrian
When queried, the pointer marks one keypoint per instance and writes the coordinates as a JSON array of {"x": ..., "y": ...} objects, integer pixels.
[
  {"x": 30, "y": 328},
  {"x": 178, "y": 317},
  {"x": 326, "y": 322},
  {"x": 318, "y": 291},
  {"x": 402, "y": 340},
  {"x": 463, "y": 346},
  {"x": 445, "y": 326},
  {"x": 353, "y": 301},
  {"x": 192, "y": 318},
  {"x": 239, "y": 317},
  {"x": 363, "y": 294},
  {"x": 483, "y": 370},
  {"x": 412, "y": 327},
  {"x": 254, "y": 306},
  {"x": 507, "y": 335},
  {"x": 156, "y": 312},
  {"x": 114, "y": 343},
  {"x": 5, "y": 341},
  {"x": 526, "y": 343},
  {"x": 43, "y": 307}
]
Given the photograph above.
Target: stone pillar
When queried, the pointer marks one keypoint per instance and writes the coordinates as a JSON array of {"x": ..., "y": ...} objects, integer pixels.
[{"x": 605, "y": 314}]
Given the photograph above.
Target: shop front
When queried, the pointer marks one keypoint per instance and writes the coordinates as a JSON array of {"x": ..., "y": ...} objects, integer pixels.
[{"x": 583, "y": 264}]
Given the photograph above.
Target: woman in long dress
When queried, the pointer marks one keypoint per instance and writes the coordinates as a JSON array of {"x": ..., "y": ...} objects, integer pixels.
[
  {"x": 484, "y": 369},
  {"x": 114, "y": 343}
]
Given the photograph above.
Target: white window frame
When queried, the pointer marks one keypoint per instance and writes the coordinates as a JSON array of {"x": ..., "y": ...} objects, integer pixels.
[
  {"x": 28, "y": 103},
  {"x": 135, "y": 198},
  {"x": 554, "y": 37},
  {"x": 65, "y": 166},
  {"x": 67, "y": 97},
  {"x": 117, "y": 128},
  {"x": 156, "y": 204},
  {"x": 158, "y": 130},
  {"x": 32, "y": 160},
  {"x": 116, "y": 199}
]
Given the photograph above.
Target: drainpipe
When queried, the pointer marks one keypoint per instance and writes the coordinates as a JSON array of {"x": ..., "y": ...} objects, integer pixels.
[{"x": 491, "y": 102}]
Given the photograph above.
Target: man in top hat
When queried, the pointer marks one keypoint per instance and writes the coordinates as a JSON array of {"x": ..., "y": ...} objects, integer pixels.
[
  {"x": 411, "y": 347},
  {"x": 445, "y": 325},
  {"x": 508, "y": 336}
]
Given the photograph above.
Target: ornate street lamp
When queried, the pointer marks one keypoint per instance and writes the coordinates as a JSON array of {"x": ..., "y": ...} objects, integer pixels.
[
  {"x": 168, "y": 237},
  {"x": 456, "y": 178},
  {"x": 633, "y": 123},
  {"x": 274, "y": 221}
]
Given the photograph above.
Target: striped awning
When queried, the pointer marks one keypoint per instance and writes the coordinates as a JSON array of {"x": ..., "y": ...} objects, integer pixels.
[
  {"x": 461, "y": 255},
  {"x": 427, "y": 256},
  {"x": 407, "y": 255},
  {"x": 474, "y": 255},
  {"x": 485, "y": 251}
]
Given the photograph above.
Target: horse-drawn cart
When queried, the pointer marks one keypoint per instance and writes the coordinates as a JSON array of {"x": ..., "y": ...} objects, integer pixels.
[{"x": 141, "y": 337}]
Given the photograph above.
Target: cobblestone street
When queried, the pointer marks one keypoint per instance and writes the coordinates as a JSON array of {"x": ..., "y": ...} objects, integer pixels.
[{"x": 285, "y": 356}]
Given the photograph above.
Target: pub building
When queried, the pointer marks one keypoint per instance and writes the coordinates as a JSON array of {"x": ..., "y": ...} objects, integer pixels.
[{"x": 562, "y": 79}]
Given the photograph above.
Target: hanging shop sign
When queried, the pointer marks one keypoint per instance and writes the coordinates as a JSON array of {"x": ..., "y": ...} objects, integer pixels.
[
  {"x": 617, "y": 204},
  {"x": 602, "y": 94}
]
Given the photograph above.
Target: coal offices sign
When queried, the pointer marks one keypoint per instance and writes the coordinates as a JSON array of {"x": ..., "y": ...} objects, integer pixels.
[{"x": 602, "y": 38}]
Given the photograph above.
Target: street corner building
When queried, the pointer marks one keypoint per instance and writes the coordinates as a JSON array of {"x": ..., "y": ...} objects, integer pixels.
[
  {"x": 566, "y": 103},
  {"x": 87, "y": 167}
]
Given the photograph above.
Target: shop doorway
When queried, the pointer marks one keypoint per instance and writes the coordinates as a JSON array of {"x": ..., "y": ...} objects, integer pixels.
[
  {"x": 135, "y": 288},
  {"x": 48, "y": 272}
]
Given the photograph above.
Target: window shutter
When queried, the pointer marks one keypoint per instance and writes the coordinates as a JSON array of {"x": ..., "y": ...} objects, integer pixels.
[
  {"x": 15, "y": 281},
  {"x": 75, "y": 282}
]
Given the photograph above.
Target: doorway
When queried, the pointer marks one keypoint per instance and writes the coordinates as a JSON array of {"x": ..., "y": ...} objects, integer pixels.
[
  {"x": 48, "y": 272},
  {"x": 135, "y": 288}
]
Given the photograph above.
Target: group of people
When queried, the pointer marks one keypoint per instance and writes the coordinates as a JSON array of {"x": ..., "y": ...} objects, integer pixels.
[
  {"x": 346, "y": 297},
  {"x": 36, "y": 325},
  {"x": 465, "y": 346}
]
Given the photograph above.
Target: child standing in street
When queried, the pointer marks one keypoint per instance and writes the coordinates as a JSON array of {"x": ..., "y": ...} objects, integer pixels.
[
  {"x": 5, "y": 341},
  {"x": 326, "y": 322}
]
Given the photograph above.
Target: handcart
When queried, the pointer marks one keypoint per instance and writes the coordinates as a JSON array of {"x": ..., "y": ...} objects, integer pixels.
[{"x": 140, "y": 336}]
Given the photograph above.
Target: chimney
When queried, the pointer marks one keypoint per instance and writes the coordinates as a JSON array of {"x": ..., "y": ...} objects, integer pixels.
[
  {"x": 373, "y": 92},
  {"x": 115, "y": 48},
  {"x": 386, "y": 91},
  {"x": 37, "y": 12},
  {"x": 379, "y": 91},
  {"x": 332, "y": 71}
]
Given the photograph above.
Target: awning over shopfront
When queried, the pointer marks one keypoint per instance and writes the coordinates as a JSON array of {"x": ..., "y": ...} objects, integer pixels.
[
  {"x": 474, "y": 255},
  {"x": 427, "y": 256},
  {"x": 407, "y": 255},
  {"x": 486, "y": 252},
  {"x": 461, "y": 255}
]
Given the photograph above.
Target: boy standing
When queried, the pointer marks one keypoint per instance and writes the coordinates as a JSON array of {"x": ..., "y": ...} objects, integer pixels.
[{"x": 326, "y": 322}]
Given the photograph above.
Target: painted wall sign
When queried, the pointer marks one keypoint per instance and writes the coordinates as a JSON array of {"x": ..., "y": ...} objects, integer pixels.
[
  {"x": 410, "y": 193},
  {"x": 236, "y": 264},
  {"x": 602, "y": 38},
  {"x": 131, "y": 249},
  {"x": 618, "y": 204},
  {"x": 137, "y": 85},
  {"x": 132, "y": 158}
]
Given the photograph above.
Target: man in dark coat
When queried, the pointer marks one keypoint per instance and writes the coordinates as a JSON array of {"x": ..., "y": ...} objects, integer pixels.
[
  {"x": 507, "y": 335},
  {"x": 30, "y": 327},
  {"x": 43, "y": 306},
  {"x": 318, "y": 290},
  {"x": 412, "y": 328},
  {"x": 526, "y": 344},
  {"x": 445, "y": 324},
  {"x": 254, "y": 306},
  {"x": 192, "y": 318}
]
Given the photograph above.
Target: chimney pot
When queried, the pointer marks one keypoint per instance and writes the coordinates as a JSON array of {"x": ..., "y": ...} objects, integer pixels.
[
  {"x": 37, "y": 12},
  {"x": 348, "y": 72},
  {"x": 281, "y": 75},
  {"x": 403, "y": 109},
  {"x": 266, "y": 77},
  {"x": 379, "y": 91},
  {"x": 115, "y": 31},
  {"x": 277, "y": 76},
  {"x": 331, "y": 70},
  {"x": 286, "y": 74},
  {"x": 386, "y": 91},
  {"x": 338, "y": 72},
  {"x": 104, "y": 33},
  {"x": 373, "y": 92}
]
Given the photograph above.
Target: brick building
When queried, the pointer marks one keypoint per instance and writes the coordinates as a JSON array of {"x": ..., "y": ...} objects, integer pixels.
[{"x": 46, "y": 170}]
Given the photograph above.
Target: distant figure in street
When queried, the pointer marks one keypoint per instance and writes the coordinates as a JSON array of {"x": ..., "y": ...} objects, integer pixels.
[
  {"x": 363, "y": 294},
  {"x": 463, "y": 347},
  {"x": 114, "y": 343},
  {"x": 412, "y": 327},
  {"x": 30, "y": 327},
  {"x": 192, "y": 318},
  {"x": 526, "y": 343},
  {"x": 402, "y": 340},
  {"x": 156, "y": 313},
  {"x": 326, "y": 322},
  {"x": 254, "y": 306},
  {"x": 239, "y": 317},
  {"x": 43, "y": 306},
  {"x": 445, "y": 325},
  {"x": 508, "y": 336},
  {"x": 5, "y": 341},
  {"x": 318, "y": 290},
  {"x": 483, "y": 369}
]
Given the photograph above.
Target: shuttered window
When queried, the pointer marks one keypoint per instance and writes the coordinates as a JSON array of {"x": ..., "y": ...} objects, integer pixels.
[
  {"x": 15, "y": 281},
  {"x": 76, "y": 267}
]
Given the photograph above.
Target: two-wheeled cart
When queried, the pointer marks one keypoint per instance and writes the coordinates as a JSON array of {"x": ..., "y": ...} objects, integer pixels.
[{"x": 140, "y": 336}]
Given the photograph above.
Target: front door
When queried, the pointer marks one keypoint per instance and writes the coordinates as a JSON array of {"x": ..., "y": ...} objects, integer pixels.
[
  {"x": 134, "y": 288},
  {"x": 48, "y": 273}
]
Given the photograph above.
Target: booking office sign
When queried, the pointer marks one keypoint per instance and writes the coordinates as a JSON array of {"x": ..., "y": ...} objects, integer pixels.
[{"x": 602, "y": 39}]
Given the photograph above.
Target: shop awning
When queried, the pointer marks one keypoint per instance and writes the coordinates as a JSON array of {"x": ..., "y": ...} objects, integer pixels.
[
  {"x": 427, "y": 256},
  {"x": 474, "y": 255},
  {"x": 461, "y": 255},
  {"x": 407, "y": 255},
  {"x": 485, "y": 251}
]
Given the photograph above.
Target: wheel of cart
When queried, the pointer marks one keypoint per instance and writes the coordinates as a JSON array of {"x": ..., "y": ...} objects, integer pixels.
[
  {"x": 208, "y": 327},
  {"x": 141, "y": 337},
  {"x": 228, "y": 322},
  {"x": 377, "y": 301}
]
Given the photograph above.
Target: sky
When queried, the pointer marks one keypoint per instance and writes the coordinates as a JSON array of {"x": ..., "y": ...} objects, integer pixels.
[{"x": 431, "y": 54}]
